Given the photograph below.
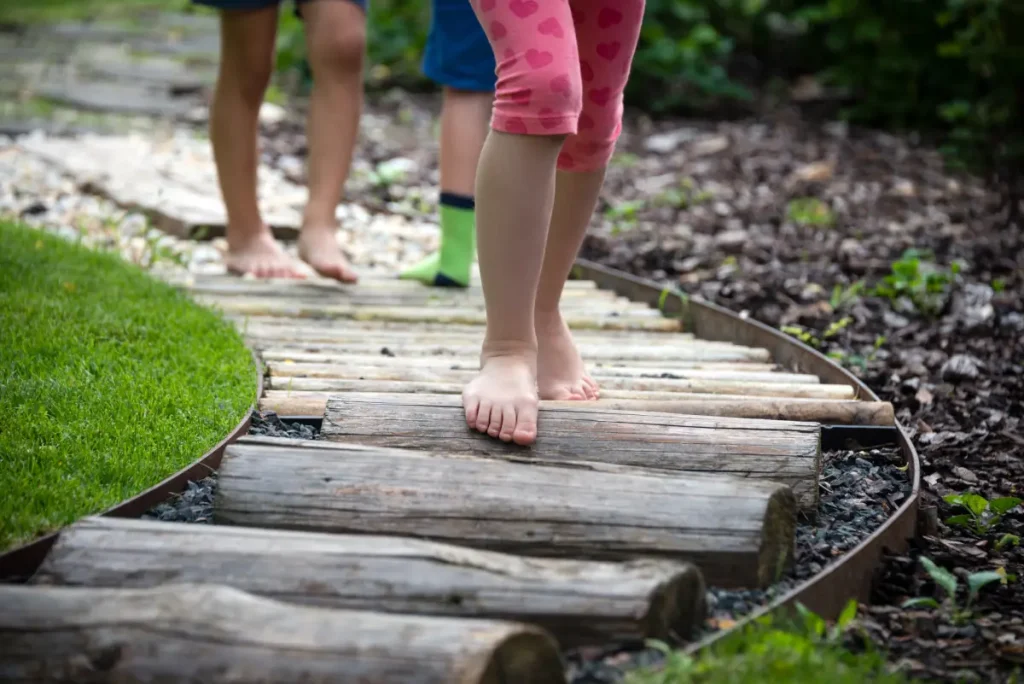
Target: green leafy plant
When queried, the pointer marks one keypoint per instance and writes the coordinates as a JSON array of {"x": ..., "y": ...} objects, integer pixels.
[
  {"x": 920, "y": 281},
  {"x": 798, "y": 651},
  {"x": 1007, "y": 540},
  {"x": 842, "y": 297},
  {"x": 809, "y": 211},
  {"x": 949, "y": 583},
  {"x": 982, "y": 514}
]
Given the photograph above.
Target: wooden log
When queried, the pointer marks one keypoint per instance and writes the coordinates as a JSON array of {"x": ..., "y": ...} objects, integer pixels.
[
  {"x": 737, "y": 530},
  {"x": 608, "y": 378},
  {"x": 648, "y": 390},
  {"x": 579, "y": 602},
  {"x": 433, "y": 315},
  {"x": 609, "y": 367},
  {"x": 209, "y": 633},
  {"x": 780, "y": 451},
  {"x": 826, "y": 411},
  {"x": 368, "y": 280},
  {"x": 327, "y": 302},
  {"x": 336, "y": 353}
]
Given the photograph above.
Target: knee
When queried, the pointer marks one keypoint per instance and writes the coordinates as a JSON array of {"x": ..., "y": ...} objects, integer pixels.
[
  {"x": 340, "y": 52},
  {"x": 545, "y": 99},
  {"x": 592, "y": 147},
  {"x": 247, "y": 75}
]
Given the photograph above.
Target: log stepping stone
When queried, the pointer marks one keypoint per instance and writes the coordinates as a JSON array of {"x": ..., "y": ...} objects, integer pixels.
[
  {"x": 738, "y": 530},
  {"x": 579, "y": 602},
  {"x": 781, "y": 451},
  {"x": 216, "y": 634}
]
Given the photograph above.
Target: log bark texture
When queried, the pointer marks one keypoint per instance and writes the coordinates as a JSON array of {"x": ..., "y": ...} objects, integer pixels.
[
  {"x": 579, "y": 602},
  {"x": 780, "y": 451},
  {"x": 737, "y": 530},
  {"x": 211, "y": 634},
  {"x": 758, "y": 408}
]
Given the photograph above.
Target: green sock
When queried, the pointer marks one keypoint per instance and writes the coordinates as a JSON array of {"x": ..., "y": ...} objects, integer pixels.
[{"x": 451, "y": 265}]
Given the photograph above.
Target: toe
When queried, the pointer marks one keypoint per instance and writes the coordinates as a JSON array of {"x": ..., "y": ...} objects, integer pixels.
[
  {"x": 471, "y": 403},
  {"x": 508, "y": 423},
  {"x": 525, "y": 432},
  {"x": 483, "y": 418},
  {"x": 497, "y": 419}
]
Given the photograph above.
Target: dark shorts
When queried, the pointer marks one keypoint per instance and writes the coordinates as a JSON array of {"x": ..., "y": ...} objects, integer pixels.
[
  {"x": 260, "y": 4},
  {"x": 458, "y": 54}
]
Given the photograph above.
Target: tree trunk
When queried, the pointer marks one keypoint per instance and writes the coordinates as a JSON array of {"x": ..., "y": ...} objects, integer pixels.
[
  {"x": 579, "y": 602},
  {"x": 211, "y": 634},
  {"x": 739, "y": 531}
]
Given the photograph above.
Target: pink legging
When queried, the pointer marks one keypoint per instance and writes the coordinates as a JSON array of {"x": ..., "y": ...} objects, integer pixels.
[{"x": 562, "y": 66}]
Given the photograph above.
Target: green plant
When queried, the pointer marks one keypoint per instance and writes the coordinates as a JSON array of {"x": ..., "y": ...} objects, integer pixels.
[
  {"x": 949, "y": 583},
  {"x": 809, "y": 211},
  {"x": 919, "y": 281},
  {"x": 844, "y": 296},
  {"x": 982, "y": 514},
  {"x": 798, "y": 651},
  {"x": 1007, "y": 540}
]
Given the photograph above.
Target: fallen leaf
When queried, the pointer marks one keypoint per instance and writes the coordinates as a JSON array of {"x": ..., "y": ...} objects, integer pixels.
[
  {"x": 924, "y": 396},
  {"x": 815, "y": 172}
]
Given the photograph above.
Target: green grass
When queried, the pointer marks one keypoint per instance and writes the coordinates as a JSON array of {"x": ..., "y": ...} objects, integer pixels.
[
  {"x": 109, "y": 382},
  {"x": 790, "y": 652}
]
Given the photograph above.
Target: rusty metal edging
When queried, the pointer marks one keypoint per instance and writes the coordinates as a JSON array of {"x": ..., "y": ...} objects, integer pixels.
[
  {"x": 852, "y": 575},
  {"x": 19, "y": 564}
]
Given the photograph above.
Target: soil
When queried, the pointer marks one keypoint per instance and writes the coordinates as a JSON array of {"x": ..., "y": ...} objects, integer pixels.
[{"x": 795, "y": 222}]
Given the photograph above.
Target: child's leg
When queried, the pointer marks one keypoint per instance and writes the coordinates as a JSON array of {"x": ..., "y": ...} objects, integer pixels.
[
  {"x": 459, "y": 57},
  {"x": 336, "y": 41},
  {"x": 537, "y": 104},
  {"x": 248, "y": 32},
  {"x": 607, "y": 36}
]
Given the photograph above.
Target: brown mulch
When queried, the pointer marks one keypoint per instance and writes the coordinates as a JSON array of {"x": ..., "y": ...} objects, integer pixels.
[{"x": 726, "y": 210}]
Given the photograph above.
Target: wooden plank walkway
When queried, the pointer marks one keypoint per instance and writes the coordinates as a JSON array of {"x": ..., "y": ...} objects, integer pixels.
[{"x": 404, "y": 547}]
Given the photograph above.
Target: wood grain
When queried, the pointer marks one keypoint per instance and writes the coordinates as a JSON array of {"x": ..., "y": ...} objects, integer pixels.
[
  {"x": 216, "y": 634},
  {"x": 834, "y": 412},
  {"x": 579, "y": 602},
  {"x": 780, "y": 451},
  {"x": 737, "y": 530}
]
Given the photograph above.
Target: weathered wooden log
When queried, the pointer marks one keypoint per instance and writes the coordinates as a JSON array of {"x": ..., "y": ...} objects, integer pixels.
[
  {"x": 826, "y": 411},
  {"x": 737, "y": 530},
  {"x": 254, "y": 308},
  {"x": 579, "y": 602},
  {"x": 608, "y": 378},
  {"x": 211, "y": 634},
  {"x": 367, "y": 281},
  {"x": 780, "y": 451},
  {"x": 715, "y": 351},
  {"x": 647, "y": 390}
]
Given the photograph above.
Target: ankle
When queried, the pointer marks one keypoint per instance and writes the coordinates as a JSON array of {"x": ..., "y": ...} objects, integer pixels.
[
  {"x": 545, "y": 319},
  {"x": 239, "y": 239},
  {"x": 319, "y": 221},
  {"x": 509, "y": 349}
]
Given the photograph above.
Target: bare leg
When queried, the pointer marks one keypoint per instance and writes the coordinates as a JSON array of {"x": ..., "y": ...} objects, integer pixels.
[
  {"x": 246, "y": 62},
  {"x": 560, "y": 371},
  {"x": 512, "y": 226},
  {"x": 465, "y": 119},
  {"x": 336, "y": 38}
]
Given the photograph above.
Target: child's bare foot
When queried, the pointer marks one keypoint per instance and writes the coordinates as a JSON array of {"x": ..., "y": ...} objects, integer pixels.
[
  {"x": 561, "y": 375},
  {"x": 319, "y": 248},
  {"x": 261, "y": 256},
  {"x": 502, "y": 400}
]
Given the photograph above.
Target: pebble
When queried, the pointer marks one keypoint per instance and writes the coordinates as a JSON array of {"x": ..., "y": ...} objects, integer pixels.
[
  {"x": 961, "y": 367},
  {"x": 44, "y": 179}
]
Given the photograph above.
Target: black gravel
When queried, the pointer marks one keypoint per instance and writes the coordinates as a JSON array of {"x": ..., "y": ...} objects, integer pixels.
[
  {"x": 195, "y": 504},
  {"x": 859, "y": 490}
]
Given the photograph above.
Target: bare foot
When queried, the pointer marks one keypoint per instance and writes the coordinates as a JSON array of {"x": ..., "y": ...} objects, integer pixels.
[
  {"x": 319, "y": 248},
  {"x": 561, "y": 375},
  {"x": 502, "y": 400},
  {"x": 261, "y": 256}
]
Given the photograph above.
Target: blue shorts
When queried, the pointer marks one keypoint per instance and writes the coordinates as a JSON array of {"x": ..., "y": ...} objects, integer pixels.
[
  {"x": 260, "y": 4},
  {"x": 458, "y": 54}
]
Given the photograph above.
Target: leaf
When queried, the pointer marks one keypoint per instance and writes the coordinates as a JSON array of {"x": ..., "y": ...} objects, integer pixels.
[
  {"x": 953, "y": 499},
  {"x": 812, "y": 621},
  {"x": 972, "y": 502},
  {"x": 1004, "y": 504},
  {"x": 921, "y": 602},
  {"x": 978, "y": 580},
  {"x": 944, "y": 578},
  {"x": 964, "y": 520},
  {"x": 848, "y": 614},
  {"x": 1007, "y": 540}
]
